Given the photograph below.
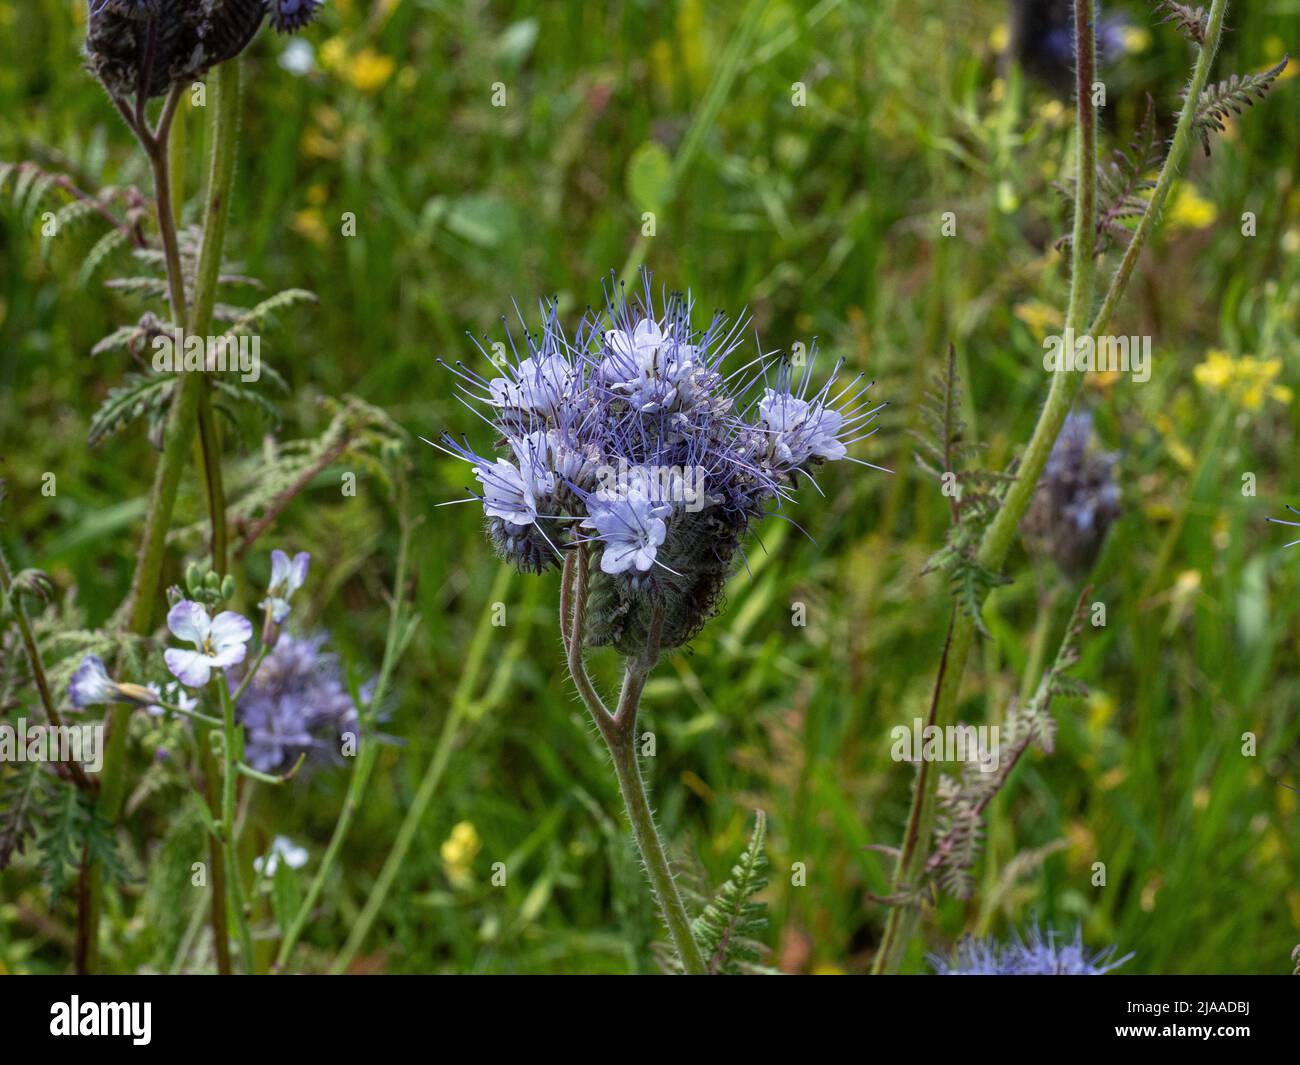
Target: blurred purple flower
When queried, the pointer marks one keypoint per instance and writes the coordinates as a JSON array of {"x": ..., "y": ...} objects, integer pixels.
[
  {"x": 289, "y": 16},
  {"x": 1034, "y": 955},
  {"x": 297, "y": 704}
]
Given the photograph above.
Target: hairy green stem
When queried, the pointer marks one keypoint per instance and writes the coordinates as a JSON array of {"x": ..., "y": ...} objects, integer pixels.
[
  {"x": 618, "y": 730},
  {"x": 1001, "y": 532}
]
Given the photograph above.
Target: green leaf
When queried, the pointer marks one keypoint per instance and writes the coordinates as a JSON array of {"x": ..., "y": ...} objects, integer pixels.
[
  {"x": 728, "y": 925},
  {"x": 515, "y": 44},
  {"x": 286, "y": 894},
  {"x": 649, "y": 177}
]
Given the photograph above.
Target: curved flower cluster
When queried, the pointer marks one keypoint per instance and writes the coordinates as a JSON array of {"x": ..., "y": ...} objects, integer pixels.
[
  {"x": 631, "y": 437},
  {"x": 158, "y": 43},
  {"x": 1077, "y": 498},
  {"x": 1035, "y": 955},
  {"x": 297, "y": 704}
]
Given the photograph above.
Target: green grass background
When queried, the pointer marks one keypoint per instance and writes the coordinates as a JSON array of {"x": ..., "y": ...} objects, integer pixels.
[{"x": 822, "y": 220}]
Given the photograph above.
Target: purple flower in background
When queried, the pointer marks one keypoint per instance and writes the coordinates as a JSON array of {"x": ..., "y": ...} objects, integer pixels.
[
  {"x": 296, "y": 704},
  {"x": 289, "y": 16},
  {"x": 286, "y": 578},
  {"x": 219, "y": 642},
  {"x": 1077, "y": 498},
  {"x": 91, "y": 684},
  {"x": 1035, "y": 955}
]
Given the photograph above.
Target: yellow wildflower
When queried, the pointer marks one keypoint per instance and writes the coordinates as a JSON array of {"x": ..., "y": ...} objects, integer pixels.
[
  {"x": 459, "y": 850},
  {"x": 369, "y": 70},
  {"x": 1191, "y": 210},
  {"x": 1136, "y": 39},
  {"x": 308, "y": 223},
  {"x": 1247, "y": 381},
  {"x": 1039, "y": 317}
]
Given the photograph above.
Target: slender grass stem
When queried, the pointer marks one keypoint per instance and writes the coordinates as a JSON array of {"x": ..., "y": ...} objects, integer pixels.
[
  {"x": 369, "y": 749},
  {"x": 1065, "y": 387},
  {"x": 461, "y": 703}
]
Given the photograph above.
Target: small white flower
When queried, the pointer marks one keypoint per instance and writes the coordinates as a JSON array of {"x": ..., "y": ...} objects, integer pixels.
[
  {"x": 286, "y": 578},
  {"x": 220, "y": 642},
  {"x": 176, "y": 696},
  {"x": 295, "y": 857}
]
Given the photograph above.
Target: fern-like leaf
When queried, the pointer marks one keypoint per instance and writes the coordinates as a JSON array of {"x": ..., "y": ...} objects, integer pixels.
[
  {"x": 74, "y": 827},
  {"x": 268, "y": 307},
  {"x": 22, "y": 791},
  {"x": 1123, "y": 183},
  {"x": 959, "y": 827},
  {"x": 98, "y": 255},
  {"x": 1191, "y": 21},
  {"x": 1232, "y": 97},
  {"x": 727, "y": 928}
]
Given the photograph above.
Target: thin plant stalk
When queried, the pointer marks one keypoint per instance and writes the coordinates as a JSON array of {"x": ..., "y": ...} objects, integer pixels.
[
  {"x": 461, "y": 703},
  {"x": 618, "y": 730},
  {"x": 1001, "y": 532},
  {"x": 230, "y": 749},
  {"x": 398, "y": 628},
  {"x": 35, "y": 661}
]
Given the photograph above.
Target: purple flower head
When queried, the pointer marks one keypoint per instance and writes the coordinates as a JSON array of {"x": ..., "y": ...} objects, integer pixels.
[
  {"x": 632, "y": 435},
  {"x": 297, "y": 704},
  {"x": 537, "y": 386},
  {"x": 219, "y": 642},
  {"x": 652, "y": 367},
  {"x": 286, "y": 578},
  {"x": 179, "y": 41},
  {"x": 289, "y": 16},
  {"x": 1034, "y": 955},
  {"x": 804, "y": 430}
]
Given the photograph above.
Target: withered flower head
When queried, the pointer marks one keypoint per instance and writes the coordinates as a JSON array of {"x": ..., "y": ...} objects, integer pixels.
[{"x": 153, "y": 44}]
